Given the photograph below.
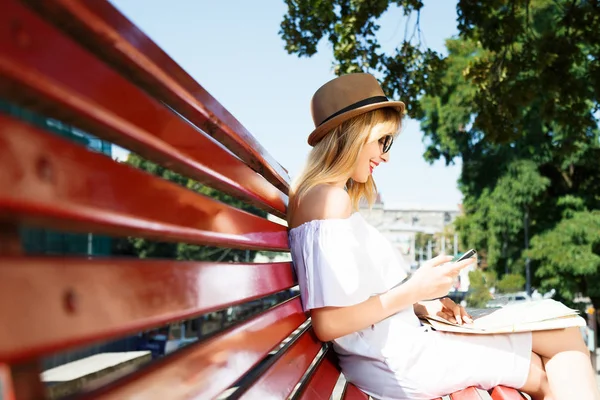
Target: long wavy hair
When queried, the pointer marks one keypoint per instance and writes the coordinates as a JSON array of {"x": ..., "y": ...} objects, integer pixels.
[{"x": 334, "y": 157}]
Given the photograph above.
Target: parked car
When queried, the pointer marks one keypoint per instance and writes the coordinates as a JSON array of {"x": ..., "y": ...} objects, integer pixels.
[{"x": 501, "y": 300}]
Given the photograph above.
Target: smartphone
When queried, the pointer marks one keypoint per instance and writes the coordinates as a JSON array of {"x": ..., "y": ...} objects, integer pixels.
[{"x": 468, "y": 254}]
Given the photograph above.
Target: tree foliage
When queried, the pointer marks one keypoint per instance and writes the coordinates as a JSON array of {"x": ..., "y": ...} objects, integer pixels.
[
  {"x": 480, "y": 284},
  {"x": 350, "y": 26},
  {"x": 516, "y": 99},
  {"x": 569, "y": 256},
  {"x": 144, "y": 248},
  {"x": 422, "y": 239},
  {"x": 510, "y": 283}
]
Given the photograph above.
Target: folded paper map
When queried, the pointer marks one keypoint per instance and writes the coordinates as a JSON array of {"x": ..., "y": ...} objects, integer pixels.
[{"x": 522, "y": 317}]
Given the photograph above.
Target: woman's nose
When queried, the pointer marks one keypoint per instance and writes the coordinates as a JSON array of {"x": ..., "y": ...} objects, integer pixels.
[{"x": 385, "y": 157}]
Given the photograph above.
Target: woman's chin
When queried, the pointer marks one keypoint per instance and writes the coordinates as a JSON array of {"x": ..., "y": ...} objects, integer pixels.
[{"x": 361, "y": 179}]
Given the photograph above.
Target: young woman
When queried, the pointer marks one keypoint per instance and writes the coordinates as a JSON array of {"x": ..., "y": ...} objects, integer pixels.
[{"x": 354, "y": 286}]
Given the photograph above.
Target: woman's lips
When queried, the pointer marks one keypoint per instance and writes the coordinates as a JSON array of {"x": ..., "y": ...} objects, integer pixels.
[{"x": 372, "y": 166}]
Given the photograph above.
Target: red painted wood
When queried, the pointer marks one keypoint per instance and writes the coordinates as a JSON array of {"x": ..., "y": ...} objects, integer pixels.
[
  {"x": 505, "y": 393},
  {"x": 351, "y": 392},
  {"x": 469, "y": 393},
  {"x": 90, "y": 95},
  {"x": 100, "y": 27},
  {"x": 77, "y": 301},
  {"x": 322, "y": 382},
  {"x": 47, "y": 180},
  {"x": 206, "y": 369},
  {"x": 6, "y": 384},
  {"x": 25, "y": 381},
  {"x": 279, "y": 380}
]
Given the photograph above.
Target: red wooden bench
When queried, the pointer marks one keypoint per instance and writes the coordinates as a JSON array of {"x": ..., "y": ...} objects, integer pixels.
[{"x": 85, "y": 64}]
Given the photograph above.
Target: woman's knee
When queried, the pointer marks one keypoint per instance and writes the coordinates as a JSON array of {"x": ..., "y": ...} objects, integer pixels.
[
  {"x": 536, "y": 384},
  {"x": 549, "y": 343}
]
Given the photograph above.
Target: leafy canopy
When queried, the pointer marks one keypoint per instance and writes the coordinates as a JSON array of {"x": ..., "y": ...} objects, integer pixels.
[{"x": 516, "y": 99}]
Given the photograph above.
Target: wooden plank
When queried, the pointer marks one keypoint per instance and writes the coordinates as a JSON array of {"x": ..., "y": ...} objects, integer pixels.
[
  {"x": 506, "y": 393},
  {"x": 351, "y": 392},
  {"x": 10, "y": 242},
  {"x": 281, "y": 378},
  {"x": 25, "y": 381},
  {"x": 18, "y": 381},
  {"x": 6, "y": 387},
  {"x": 89, "y": 94},
  {"x": 79, "y": 301},
  {"x": 108, "y": 34},
  {"x": 204, "y": 370},
  {"x": 45, "y": 179},
  {"x": 321, "y": 382},
  {"x": 469, "y": 393}
]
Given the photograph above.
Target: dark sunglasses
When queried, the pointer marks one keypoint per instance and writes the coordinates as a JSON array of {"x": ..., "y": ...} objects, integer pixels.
[{"x": 386, "y": 142}]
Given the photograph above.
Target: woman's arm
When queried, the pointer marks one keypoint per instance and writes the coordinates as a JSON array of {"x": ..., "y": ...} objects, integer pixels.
[
  {"x": 432, "y": 280},
  {"x": 331, "y": 323}
]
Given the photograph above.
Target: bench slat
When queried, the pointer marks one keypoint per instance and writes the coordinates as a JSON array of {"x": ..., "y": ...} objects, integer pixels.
[
  {"x": 281, "y": 378},
  {"x": 206, "y": 369},
  {"x": 323, "y": 379},
  {"x": 112, "y": 37},
  {"x": 469, "y": 393},
  {"x": 6, "y": 385},
  {"x": 351, "y": 392},
  {"x": 46, "y": 179},
  {"x": 92, "y": 96},
  {"x": 80, "y": 301},
  {"x": 505, "y": 393}
]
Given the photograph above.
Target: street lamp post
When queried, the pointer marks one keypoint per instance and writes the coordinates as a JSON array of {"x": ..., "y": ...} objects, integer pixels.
[{"x": 527, "y": 261}]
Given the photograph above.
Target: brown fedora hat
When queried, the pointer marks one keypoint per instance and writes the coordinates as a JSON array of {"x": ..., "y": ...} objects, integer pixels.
[{"x": 343, "y": 98}]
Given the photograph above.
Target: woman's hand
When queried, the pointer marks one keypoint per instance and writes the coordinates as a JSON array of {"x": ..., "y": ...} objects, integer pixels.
[
  {"x": 444, "y": 308},
  {"x": 435, "y": 277}
]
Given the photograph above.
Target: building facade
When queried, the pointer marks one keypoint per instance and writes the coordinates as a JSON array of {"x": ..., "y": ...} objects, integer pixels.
[{"x": 402, "y": 223}]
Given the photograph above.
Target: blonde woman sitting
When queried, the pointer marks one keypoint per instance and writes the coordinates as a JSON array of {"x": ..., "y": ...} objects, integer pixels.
[{"x": 355, "y": 289}]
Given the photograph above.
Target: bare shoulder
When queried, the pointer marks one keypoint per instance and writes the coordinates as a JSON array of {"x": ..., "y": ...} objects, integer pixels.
[{"x": 323, "y": 202}]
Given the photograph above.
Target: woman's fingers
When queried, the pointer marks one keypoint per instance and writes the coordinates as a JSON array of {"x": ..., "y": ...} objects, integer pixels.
[
  {"x": 447, "y": 316},
  {"x": 465, "y": 316},
  {"x": 453, "y": 308},
  {"x": 439, "y": 260},
  {"x": 453, "y": 312},
  {"x": 454, "y": 268}
]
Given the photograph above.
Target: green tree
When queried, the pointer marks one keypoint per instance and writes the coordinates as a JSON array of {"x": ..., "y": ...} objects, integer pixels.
[
  {"x": 532, "y": 52},
  {"x": 510, "y": 283},
  {"x": 421, "y": 240},
  {"x": 516, "y": 99},
  {"x": 569, "y": 257},
  {"x": 479, "y": 291},
  {"x": 144, "y": 248}
]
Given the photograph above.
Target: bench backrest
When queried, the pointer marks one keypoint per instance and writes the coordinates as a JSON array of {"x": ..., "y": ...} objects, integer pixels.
[{"x": 85, "y": 65}]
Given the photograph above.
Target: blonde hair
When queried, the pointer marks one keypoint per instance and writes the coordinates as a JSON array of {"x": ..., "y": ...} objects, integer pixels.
[{"x": 335, "y": 156}]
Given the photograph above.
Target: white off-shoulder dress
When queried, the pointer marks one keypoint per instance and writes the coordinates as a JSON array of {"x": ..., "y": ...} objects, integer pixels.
[{"x": 342, "y": 262}]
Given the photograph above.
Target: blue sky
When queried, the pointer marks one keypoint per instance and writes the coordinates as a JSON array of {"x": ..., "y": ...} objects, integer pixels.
[{"x": 233, "y": 49}]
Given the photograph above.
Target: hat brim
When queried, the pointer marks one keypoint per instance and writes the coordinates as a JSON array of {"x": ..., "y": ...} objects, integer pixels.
[{"x": 323, "y": 129}]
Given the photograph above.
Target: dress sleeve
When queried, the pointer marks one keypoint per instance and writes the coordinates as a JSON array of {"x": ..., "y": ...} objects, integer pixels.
[{"x": 332, "y": 267}]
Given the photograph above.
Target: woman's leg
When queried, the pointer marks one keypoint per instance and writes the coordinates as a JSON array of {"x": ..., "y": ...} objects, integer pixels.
[
  {"x": 567, "y": 363},
  {"x": 537, "y": 383}
]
